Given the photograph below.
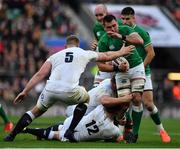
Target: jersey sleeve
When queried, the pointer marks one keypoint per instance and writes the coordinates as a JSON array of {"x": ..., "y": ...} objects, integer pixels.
[
  {"x": 49, "y": 59},
  {"x": 98, "y": 31},
  {"x": 146, "y": 37},
  {"x": 126, "y": 30},
  {"x": 92, "y": 55},
  {"x": 119, "y": 22}
]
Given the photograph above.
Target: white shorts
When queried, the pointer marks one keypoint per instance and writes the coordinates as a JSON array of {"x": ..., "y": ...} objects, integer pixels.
[
  {"x": 95, "y": 125},
  {"x": 95, "y": 94},
  {"x": 48, "y": 98},
  {"x": 136, "y": 76},
  {"x": 148, "y": 83}
]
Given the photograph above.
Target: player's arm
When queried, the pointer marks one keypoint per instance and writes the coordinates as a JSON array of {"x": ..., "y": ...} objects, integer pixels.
[
  {"x": 147, "y": 46},
  {"x": 111, "y": 55},
  {"x": 105, "y": 67},
  {"x": 94, "y": 45},
  {"x": 37, "y": 77},
  {"x": 127, "y": 34},
  {"x": 150, "y": 54},
  {"x": 134, "y": 38},
  {"x": 108, "y": 101}
]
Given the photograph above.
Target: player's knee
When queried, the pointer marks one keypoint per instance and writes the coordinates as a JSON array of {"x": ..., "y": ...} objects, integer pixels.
[
  {"x": 137, "y": 99},
  {"x": 149, "y": 106}
]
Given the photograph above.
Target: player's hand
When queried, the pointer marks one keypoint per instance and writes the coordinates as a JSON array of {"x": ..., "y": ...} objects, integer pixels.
[
  {"x": 94, "y": 45},
  {"x": 114, "y": 34},
  {"x": 19, "y": 98},
  {"x": 126, "y": 50},
  {"x": 123, "y": 67},
  {"x": 128, "y": 97}
]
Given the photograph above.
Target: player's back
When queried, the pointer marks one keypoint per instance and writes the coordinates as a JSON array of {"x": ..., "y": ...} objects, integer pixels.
[
  {"x": 95, "y": 94},
  {"x": 96, "y": 125},
  {"x": 67, "y": 66}
]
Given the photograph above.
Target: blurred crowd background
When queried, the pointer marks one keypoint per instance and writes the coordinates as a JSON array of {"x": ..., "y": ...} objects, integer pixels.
[{"x": 25, "y": 23}]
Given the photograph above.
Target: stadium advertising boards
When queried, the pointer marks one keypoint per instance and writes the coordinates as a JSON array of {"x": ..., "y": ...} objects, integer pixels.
[{"x": 163, "y": 32}]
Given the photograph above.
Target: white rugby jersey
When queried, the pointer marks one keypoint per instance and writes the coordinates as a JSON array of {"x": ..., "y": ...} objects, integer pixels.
[
  {"x": 94, "y": 126},
  {"x": 67, "y": 66},
  {"x": 95, "y": 94}
]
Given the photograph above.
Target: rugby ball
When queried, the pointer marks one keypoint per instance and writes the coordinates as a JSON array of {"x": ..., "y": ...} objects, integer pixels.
[{"x": 119, "y": 61}]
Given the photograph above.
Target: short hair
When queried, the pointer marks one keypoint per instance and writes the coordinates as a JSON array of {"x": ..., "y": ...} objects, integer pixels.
[
  {"x": 102, "y": 6},
  {"x": 72, "y": 40},
  {"x": 128, "y": 11},
  {"x": 108, "y": 18}
]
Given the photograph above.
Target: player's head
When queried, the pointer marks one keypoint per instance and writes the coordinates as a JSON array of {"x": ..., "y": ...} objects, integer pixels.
[
  {"x": 110, "y": 23},
  {"x": 72, "y": 41},
  {"x": 128, "y": 16},
  {"x": 100, "y": 12}
]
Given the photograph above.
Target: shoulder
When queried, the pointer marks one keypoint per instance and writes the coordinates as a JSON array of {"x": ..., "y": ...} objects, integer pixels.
[
  {"x": 141, "y": 31},
  {"x": 139, "y": 28},
  {"x": 119, "y": 21},
  {"x": 97, "y": 25},
  {"x": 125, "y": 28}
]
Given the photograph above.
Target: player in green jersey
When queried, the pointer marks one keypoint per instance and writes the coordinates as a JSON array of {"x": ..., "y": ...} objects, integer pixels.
[
  {"x": 146, "y": 51},
  {"x": 8, "y": 125},
  {"x": 100, "y": 12},
  {"x": 112, "y": 40}
]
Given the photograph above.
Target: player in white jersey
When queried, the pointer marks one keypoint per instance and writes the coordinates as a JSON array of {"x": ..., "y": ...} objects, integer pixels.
[
  {"x": 104, "y": 88},
  {"x": 65, "y": 68},
  {"x": 97, "y": 125}
]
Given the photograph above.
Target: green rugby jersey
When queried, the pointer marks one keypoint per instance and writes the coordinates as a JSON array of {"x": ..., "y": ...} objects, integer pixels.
[
  {"x": 107, "y": 43},
  {"x": 141, "y": 48},
  {"x": 99, "y": 31}
]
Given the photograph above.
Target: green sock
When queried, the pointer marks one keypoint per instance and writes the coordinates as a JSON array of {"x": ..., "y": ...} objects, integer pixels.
[
  {"x": 128, "y": 116},
  {"x": 155, "y": 117},
  {"x": 3, "y": 115},
  {"x": 136, "y": 116}
]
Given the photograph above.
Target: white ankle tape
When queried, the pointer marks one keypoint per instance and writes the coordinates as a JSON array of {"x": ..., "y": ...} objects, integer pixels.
[
  {"x": 31, "y": 114},
  {"x": 155, "y": 110}
]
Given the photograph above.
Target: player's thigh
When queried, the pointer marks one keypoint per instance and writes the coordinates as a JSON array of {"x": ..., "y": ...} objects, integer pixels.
[
  {"x": 148, "y": 84},
  {"x": 148, "y": 91},
  {"x": 148, "y": 98},
  {"x": 122, "y": 83},
  {"x": 137, "y": 76},
  {"x": 46, "y": 99},
  {"x": 78, "y": 95}
]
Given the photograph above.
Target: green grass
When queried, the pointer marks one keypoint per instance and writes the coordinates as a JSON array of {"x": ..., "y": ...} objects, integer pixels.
[{"x": 148, "y": 137}]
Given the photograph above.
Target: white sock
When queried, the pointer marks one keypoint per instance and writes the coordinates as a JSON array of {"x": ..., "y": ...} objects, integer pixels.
[
  {"x": 137, "y": 108},
  {"x": 31, "y": 114},
  {"x": 51, "y": 135},
  {"x": 121, "y": 129},
  {"x": 155, "y": 110},
  {"x": 160, "y": 127}
]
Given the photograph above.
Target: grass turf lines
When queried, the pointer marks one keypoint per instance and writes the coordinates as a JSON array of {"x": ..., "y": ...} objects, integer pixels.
[{"x": 148, "y": 136}]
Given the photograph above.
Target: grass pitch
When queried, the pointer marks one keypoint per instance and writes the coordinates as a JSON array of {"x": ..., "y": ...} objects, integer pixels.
[{"x": 148, "y": 136}]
